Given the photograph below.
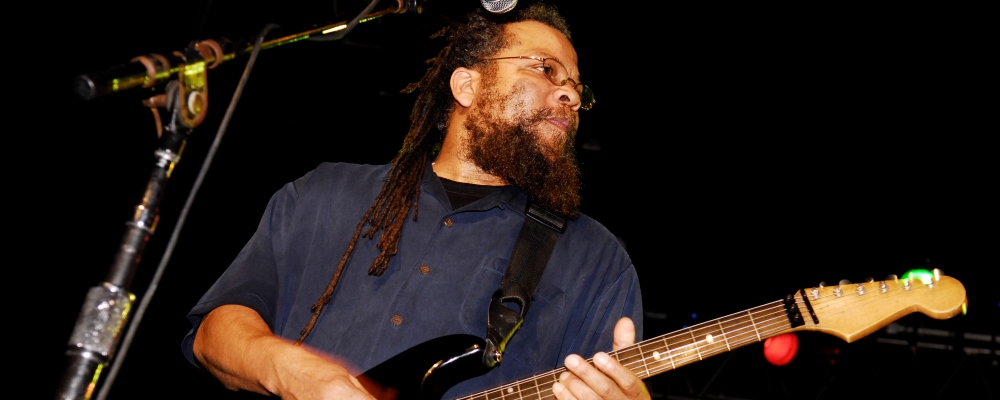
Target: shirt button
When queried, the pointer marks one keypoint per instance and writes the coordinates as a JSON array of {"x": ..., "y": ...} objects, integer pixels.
[
  {"x": 448, "y": 222},
  {"x": 396, "y": 319},
  {"x": 425, "y": 269}
]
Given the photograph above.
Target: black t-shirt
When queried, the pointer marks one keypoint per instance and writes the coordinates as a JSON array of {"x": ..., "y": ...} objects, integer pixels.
[{"x": 460, "y": 194}]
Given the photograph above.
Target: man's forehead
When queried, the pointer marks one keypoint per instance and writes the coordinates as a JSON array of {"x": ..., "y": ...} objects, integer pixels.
[{"x": 533, "y": 38}]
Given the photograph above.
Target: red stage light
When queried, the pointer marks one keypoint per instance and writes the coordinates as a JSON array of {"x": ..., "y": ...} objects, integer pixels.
[{"x": 780, "y": 350}]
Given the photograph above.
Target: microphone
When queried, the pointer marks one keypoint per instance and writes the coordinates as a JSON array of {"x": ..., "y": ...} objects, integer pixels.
[{"x": 499, "y": 6}]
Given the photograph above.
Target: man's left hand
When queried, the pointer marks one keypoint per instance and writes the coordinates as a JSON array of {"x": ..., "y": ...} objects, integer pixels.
[{"x": 606, "y": 378}]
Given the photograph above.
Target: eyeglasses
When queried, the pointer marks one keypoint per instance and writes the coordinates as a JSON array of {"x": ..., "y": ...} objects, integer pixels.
[{"x": 556, "y": 73}]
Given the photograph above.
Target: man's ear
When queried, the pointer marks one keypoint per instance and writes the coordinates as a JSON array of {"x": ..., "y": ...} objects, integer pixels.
[{"x": 464, "y": 85}]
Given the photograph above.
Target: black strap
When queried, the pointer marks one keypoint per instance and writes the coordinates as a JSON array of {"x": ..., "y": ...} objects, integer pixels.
[{"x": 531, "y": 253}]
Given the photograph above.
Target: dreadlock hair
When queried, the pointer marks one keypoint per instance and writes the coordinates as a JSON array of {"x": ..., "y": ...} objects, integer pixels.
[{"x": 468, "y": 45}]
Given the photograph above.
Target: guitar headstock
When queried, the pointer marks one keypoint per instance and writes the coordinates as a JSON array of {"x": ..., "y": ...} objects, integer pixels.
[{"x": 853, "y": 310}]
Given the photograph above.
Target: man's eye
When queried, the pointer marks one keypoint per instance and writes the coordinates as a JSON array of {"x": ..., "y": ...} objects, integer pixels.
[{"x": 544, "y": 69}]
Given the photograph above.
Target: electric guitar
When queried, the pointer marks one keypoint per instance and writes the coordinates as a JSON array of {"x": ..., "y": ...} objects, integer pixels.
[{"x": 848, "y": 310}]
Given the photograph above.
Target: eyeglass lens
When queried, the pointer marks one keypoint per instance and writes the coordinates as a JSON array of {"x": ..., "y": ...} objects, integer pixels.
[{"x": 557, "y": 74}]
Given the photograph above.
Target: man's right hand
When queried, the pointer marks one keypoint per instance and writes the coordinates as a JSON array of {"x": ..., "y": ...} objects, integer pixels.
[{"x": 235, "y": 344}]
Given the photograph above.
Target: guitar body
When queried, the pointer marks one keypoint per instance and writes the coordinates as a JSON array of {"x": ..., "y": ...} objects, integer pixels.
[{"x": 428, "y": 370}]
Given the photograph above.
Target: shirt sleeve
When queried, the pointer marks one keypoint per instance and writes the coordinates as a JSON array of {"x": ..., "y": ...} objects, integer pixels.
[
  {"x": 621, "y": 298},
  {"x": 252, "y": 278}
]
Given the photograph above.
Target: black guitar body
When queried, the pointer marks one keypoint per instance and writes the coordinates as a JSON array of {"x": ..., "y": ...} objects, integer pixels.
[{"x": 428, "y": 370}]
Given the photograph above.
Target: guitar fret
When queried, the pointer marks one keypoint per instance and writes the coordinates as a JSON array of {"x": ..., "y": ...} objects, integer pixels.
[
  {"x": 681, "y": 349},
  {"x": 500, "y": 393},
  {"x": 530, "y": 389},
  {"x": 631, "y": 357},
  {"x": 695, "y": 342},
  {"x": 711, "y": 341},
  {"x": 739, "y": 327},
  {"x": 642, "y": 357},
  {"x": 545, "y": 381},
  {"x": 666, "y": 345},
  {"x": 723, "y": 332},
  {"x": 754, "y": 325},
  {"x": 537, "y": 388},
  {"x": 487, "y": 395}
]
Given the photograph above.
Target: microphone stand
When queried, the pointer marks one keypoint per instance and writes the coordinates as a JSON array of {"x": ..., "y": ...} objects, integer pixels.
[{"x": 107, "y": 307}]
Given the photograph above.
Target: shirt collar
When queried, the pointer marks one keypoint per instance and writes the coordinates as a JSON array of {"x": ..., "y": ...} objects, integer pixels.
[{"x": 508, "y": 197}]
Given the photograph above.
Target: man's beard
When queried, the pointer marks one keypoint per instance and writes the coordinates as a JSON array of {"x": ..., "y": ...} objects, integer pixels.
[{"x": 514, "y": 150}]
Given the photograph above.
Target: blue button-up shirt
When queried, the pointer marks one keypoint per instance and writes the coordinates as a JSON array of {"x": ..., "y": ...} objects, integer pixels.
[{"x": 440, "y": 283}]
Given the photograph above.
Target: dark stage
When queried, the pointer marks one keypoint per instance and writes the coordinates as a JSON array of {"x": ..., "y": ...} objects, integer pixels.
[{"x": 740, "y": 154}]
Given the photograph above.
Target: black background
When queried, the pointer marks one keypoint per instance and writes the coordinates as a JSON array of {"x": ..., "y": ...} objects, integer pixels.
[{"x": 739, "y": 152}]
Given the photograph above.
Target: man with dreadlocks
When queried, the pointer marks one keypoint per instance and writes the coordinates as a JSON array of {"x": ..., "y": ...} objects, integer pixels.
[{"x": 316, "y": 298}]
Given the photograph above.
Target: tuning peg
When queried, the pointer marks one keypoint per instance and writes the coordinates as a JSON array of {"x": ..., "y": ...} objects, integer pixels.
[
  {"x": 814, "y": 292},
  {"x": 839, "y": 291},
  {"x": 885, "y": 287}
]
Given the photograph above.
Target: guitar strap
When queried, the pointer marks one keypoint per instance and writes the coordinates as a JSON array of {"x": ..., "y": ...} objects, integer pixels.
[{"x": 531, "y": 253}]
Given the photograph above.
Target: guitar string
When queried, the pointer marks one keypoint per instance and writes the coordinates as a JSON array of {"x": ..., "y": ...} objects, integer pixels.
[{"x": 774, "y": 321}]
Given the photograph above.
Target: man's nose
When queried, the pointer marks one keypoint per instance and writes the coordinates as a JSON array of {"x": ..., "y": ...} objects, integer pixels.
[{"x": 566, "y": 94}]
